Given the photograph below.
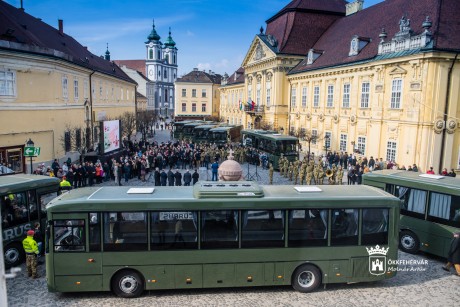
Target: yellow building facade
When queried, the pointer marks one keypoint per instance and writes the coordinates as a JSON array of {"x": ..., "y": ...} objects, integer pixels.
[
  {"x": 197, "y": 95},
  {"x": 48, "y": 97}
]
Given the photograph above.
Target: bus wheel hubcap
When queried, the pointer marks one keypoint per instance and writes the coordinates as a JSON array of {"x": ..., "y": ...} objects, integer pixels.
[
  {"x": 11, "y": 255},
  {"x": 306, "y": 279},
  {"x": 128, "y": 284},
  {"x": 408, "y": 242}
]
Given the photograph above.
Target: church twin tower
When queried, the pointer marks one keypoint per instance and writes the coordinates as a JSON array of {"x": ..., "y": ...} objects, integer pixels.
[{"x": 161, "y": 69}]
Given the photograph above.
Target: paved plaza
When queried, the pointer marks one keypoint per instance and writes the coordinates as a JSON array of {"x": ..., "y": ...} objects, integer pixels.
[{"x": 416, "y": 285}]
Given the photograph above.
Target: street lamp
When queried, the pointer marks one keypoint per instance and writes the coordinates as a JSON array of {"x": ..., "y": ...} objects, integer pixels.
[{"x": 30, "y": 143}]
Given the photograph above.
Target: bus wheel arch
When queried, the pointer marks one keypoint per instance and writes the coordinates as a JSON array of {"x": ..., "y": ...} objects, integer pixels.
[
  {"x": 127, "y": 283},
  {"x": 14, "y": 254},
  {"x": 307, "y": 277},
  {"x": 409, "y": 241}
]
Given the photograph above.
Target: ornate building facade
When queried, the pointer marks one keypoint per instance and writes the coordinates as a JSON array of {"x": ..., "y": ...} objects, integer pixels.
[{"x": 53, "y": 91}]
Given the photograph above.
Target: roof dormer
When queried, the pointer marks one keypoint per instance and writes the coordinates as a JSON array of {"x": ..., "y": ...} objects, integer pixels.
[
  {"x": 313, "y": 54},
  {"x": 357, "y": 44}
]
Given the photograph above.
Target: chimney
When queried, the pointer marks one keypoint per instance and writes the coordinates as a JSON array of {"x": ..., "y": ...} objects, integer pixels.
[
  {"x": 354, "y": 7},
  {"x": 195, "y": 69},
  {"x": 61, "y": 26}
]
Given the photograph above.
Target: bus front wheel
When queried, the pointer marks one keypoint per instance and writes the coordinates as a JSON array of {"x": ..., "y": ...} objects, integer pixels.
[
  {"x": 128, "y": 284},
  {"x": 306, "y": 278},
  {"x": 14, "y": 255},
  {"x": 409, "y": 242}
]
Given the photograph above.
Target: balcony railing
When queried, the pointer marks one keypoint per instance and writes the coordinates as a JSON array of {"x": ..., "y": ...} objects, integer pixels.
[{"x": 254, "y": 110}]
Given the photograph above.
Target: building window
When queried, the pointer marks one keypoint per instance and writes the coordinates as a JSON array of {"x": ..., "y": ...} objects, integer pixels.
[
  {"x": 362, "y": 145},
  {"x": 293, "y": 97},
  {"x": 193, "y": 92},
  {"x": 166, "y": 95},
  {"x": 203, "y": 107},
  {"x": 7, "y": 83},
  {"x": 184, "y": 92},
  {"x": 151, "y": 54},
  {"x": 346, "y": 96},
  {"x": 65, "y": 87},
  {"x": 396, "y": 88},
  {"x": 184, "y": 107},
  {"x": 75, "y": 89},
  {"x": 330, "y": 96},
  {"x": 304, "y": 97},
  {"x": 85, "y": 89},
  {"x": 343, "y": 142},
  {"x": 203, "y": 93},
  {"x": 269, "y": 90},
  {"x": 327, "y": 140},
  {"x": 121, "y": 94},
  {"x": 193, "y": 107},
  {"x": 258, "y": 92},
  {"x": 158, "y": 55},
  {"x": 314, "y": 134},
  {"x": 165, "y": 74},
  {"x": 391, "y": 151},
  {"x": 249, "y": 93},
  {"x": 316, "y": 97},
  {"x": 365, "y": 87}
]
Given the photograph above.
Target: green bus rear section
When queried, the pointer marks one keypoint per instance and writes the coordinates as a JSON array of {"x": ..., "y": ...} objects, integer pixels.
[
  {"x": 211, "y": 268},
  {"x": 435, "y": 238}
]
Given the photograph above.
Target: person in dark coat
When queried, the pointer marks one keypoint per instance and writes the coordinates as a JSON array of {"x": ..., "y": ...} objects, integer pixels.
[
  {"x": 195, "y": 177},
  {"x": 453, "y": 256},
  {"x": 163, "y": 178},
  {"x": 157, "y": 176},
  {"x": 170, "y": 178},
  {"x": 178, "y": 177},
  {"x": 187, "y": 178}
]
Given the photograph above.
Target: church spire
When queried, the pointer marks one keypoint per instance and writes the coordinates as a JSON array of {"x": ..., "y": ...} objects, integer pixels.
[
  {"x": 153, "y": 36},
  {"x": 169, "y": 41},
  {"x": 107, "y": 53}
]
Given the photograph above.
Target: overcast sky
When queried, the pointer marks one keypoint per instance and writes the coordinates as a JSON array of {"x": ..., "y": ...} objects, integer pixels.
[{"x": 209, "y": 34}]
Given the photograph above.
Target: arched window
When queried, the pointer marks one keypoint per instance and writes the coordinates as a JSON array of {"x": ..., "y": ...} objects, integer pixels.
[
  {"x": 158, "y": 55},
  {"x": 150, "y": 54},
  {"x": 166, "y": 74},
  {"x": 174, "y": 59}
]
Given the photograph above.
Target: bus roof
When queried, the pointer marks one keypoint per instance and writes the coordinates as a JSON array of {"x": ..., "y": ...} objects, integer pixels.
[
  {"x": 270, "y": 135},
  {"x": 183, "y": 122},
  {"x": 421, "y": 180},
  {"x": 208, "y": 126},
  {"x": 21, "y": 182},
  {"x": 225, "y": 194},
  {"x": 223, "y": 128}
]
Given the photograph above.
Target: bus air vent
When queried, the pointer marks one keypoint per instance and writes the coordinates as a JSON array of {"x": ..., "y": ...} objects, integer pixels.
[
  {"x": 431, "y": 176},
  {"x": 228, "y": 189},
  {"x": 140, "y": 191},
  {"x": 307, "y": 189}
]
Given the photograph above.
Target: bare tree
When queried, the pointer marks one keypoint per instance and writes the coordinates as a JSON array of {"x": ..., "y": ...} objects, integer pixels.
[
  {"x": 266, "y": 126},
  {"x": 128, "y": 124},
  {"x": 145, "y": 121},
  {"x": 309, "y": 137}
]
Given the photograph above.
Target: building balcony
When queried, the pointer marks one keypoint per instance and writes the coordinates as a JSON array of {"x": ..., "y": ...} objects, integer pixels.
[{"x": 256, "y": 110}]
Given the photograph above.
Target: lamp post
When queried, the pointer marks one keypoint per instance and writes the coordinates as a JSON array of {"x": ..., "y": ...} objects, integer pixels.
[{"x": 30, "y": 143}]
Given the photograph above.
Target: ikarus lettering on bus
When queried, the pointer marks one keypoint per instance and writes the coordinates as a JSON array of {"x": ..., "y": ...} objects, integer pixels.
[
  {"x": 170, "y": 216},
  {"x": 16, "y": 232}
]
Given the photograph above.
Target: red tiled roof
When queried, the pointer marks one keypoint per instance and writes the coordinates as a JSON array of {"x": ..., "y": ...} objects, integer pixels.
[
  {"x": 22, "y": 32},
  {"x": 138, "y": 65},
  {"x": 369, "y": 23},
  {"x": 302, "y": 22},
  {"x": 198, "y": 76}
]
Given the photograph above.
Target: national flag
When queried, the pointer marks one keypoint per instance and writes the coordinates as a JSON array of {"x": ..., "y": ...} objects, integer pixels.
[
  {"x": 241, "y": 105},
  {"x": 252, "y": 105}
]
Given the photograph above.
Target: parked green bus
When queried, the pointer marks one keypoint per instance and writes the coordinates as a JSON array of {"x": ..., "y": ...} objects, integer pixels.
[
  {"x": 179, "y": 127},
  {"x": 22, "y": 201},
  {"x": 273, "y": 144},
  {"x": 218, "y": 234},
  {"x": 430, "y": 208},
  {"x": 187, "y": 131},
  {"x": 201, "y": 133},
  {"x": 226, "y": 134}
]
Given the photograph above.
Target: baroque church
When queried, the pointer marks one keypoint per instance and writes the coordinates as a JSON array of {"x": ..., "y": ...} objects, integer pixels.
[{"x": 158, "y": 72}]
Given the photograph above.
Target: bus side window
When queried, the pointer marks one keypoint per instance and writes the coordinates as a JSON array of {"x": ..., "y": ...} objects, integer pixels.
[
  {"x": 33, "y": 207},
  {"x": 94, "y": 232},
  {"x": 344, "y": 228},
  {"x": 219, "y": 229},
  {"x": 262, "y": 228},
  {"x": 444, "y": 209},
  {"x": 125, "y": 231},
  {"x": 413, "y": 201},
  {"x": 15, "y": 209},
  {"x": 375, "y": 226},
  {"x": 174, "y": 230},
  {"x": 308, "y": 227},
  {"x": 69, "y": 235}
]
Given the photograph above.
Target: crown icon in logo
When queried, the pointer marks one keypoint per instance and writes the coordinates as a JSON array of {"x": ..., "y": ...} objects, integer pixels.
[{"x": 377, "y": 250}]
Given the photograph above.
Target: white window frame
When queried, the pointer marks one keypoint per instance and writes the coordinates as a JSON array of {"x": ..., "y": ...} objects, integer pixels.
[
  {"x": 365, "y": 90},
  {"x": 316, "y": 97},
  {"x": 184, "y": 92},
  {"x": 249, "y": 93},
  {"x": 258, "y": 93},
  {"x": 194, "y": 107},
  {"x": 304, "y": 97},
  {"x": 293, "y": 97},
  {"x": 343, "y": 142},
  {"x": 391, "y": 151},
  {"x": 203, "y": 93},
  {"x": 327, "y": 140},
  {"x": 314, "y": 134},
  {"x": 346, "y": 95},
  {"x": 194, "y": 93},
  {"x": 268, "y": 92},
  {"x": 203, "y": 107},
  {"x": 7, "y": 83},
  {"x": 361, "y": 145},
  {"x": 85, "y": 89},
  {"x": 396, "y": 93},
  {"x": 65, "y": 87},
  {"x": 184, "y": 107},
  {"x": 330, "y": 96}
]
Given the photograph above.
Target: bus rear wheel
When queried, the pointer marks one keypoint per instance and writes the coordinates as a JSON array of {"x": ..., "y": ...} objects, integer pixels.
[
  {"x": 127, "y": 284},
  {"x": 14, "y": 255},
  {"x": 409, "y": 242},
  {"x": 306, "y": 278}
]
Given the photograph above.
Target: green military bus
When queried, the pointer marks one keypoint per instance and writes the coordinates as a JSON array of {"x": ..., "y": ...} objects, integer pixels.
[
  {"x": 226, "y": 134},
  {"x": 201, "y": 133},
  {"x": 218, "y": 234},
  {"x": 178, "y": 128},
  {"x": 273, "y": 144},
  {"x": 430, "y": 208},
  {"x": 22, "y": 201}
]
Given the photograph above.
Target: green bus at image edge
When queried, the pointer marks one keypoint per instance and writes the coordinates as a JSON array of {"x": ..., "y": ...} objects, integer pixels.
[
  {"x": 430, "y": 208},
  {"x": 217, "y": 234}
]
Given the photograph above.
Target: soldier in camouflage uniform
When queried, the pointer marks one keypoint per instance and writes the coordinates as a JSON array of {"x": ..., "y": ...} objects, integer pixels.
[
  {"x": 309, "y": 172},
  {"x": 302, "y": 175},
  {"x": 296, "y": 173},
  {"x": 339, "y": 175},
  {"x": 291, "y": 171},
  {"x": 286, "y": 168},
  {"x": 320, "y": 174}
]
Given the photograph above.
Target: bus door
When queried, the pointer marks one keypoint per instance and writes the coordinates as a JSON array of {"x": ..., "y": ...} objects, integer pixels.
[{"x": 75, "y": 240}]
